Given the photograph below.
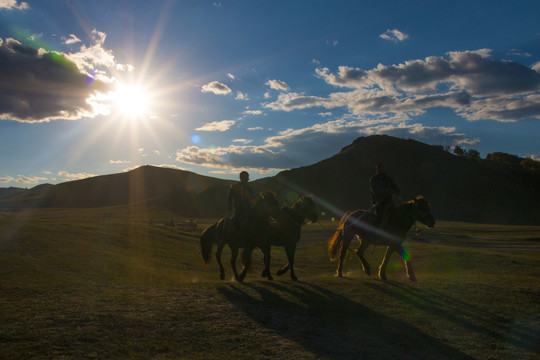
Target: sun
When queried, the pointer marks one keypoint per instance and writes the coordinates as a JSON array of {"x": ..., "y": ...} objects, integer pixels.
[{"x": 131, "y": 101}]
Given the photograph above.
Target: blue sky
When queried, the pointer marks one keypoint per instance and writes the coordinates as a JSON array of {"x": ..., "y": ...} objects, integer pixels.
[{"x": 99, "y": 87}]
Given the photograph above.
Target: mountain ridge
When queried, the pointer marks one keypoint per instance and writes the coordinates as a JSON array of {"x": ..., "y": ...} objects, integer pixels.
[{"x": 457, "y": 188}]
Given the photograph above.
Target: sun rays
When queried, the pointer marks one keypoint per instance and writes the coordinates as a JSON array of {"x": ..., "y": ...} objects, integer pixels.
[{"x": 132, "y": 102}]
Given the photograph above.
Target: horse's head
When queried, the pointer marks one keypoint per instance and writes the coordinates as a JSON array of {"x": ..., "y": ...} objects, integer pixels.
[
  {"x": 267, "y": 204},
  {"x": 307, "y": 207},
  {"x": 422, "y": 211}
]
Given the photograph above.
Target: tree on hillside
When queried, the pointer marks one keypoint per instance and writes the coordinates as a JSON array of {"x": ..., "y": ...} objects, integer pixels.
[
  {"x": 458, "y": 150},
  {"x": 508, "y": 159},
  {"x": 472, "y": 154},
  {"x": 531, "y": 165}
]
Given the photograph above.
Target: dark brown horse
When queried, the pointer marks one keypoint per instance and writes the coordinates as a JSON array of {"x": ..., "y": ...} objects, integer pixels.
[
  {"x": 285, "y": 231},
  {"x": 359, "y": 223},
  {"x": 223, "y": 232}
]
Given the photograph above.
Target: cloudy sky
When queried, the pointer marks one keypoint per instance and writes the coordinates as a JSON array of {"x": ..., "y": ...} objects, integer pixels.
[{"x": 215, "y": 87}]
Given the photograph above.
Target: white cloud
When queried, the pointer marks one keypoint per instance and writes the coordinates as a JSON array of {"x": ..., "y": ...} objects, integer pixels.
[
  {"x": 6, "y": 179},
  {"x": 125, "y": 67},
  {"x": 469, "y": 82},
  {"x": 65, "y": 89},
  {"x": 74, "y": 176},
  {"x": 298, "y": 147},
  {"x": 241, "y": 96},
  {"x": 14, "y": 4},
  {"x": 278, "y": 85},
  {"x": 252, "y": 112},
  {"x": 29, "y": 179},
  {"x": 71, "y": 40},
  {"x": 231, "y": 76},
  {"x": 217, "y": 126},
  {"x": 89, "y": 58},
  {"x": 171, "y": 166},
  {"x": 243, "y": 141},
  {"x": 536, "y": 66},
  {"x": 234, "y": 157},
  {"x": 519, "y": 53},
  {"x": 142, "y": 152},
  {"x": 393, "y": 35},
  {"x": 217, "y": 88},
  {"x": 119, "y": 161}
]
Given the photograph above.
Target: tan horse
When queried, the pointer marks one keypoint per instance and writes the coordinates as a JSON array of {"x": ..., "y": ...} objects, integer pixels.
[{"x": 359, "y": 223}]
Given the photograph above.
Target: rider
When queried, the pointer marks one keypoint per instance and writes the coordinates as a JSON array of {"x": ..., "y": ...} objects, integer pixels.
[
  {"x": 382, "y": 188},
  {"x": 240, "y": 200}
]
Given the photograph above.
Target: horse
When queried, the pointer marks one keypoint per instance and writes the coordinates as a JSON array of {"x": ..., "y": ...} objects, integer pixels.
[
  {"x": 359, "y": 222},
  {"x": 224, "y": 233},
  {"x": 285, "y": 231}
]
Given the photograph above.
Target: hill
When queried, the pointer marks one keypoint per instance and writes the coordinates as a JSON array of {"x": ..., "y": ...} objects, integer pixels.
[
  {"x": 147, "y": 186},
  {"x": 10, "y": 191},
  {"x": 457, "y": 188}
]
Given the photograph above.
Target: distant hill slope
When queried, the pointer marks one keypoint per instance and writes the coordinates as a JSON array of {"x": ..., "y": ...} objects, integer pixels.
[
  {"x": 176, "y": 190},
  {"x": 10, "y": 191},
  {"x": 457, "y": 188}
]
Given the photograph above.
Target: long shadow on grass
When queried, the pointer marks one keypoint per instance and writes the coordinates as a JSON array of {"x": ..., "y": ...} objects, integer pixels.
[
  {"x": 332, "y": 326},
  {"x": 457, "y": 312}
]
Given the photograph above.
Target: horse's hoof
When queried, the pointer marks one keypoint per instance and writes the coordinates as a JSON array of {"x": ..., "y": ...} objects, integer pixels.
[
  {"x": 294, "y": 278},
  {"x": 270, "y": 278},
  {"x": 280, "y": 272}
]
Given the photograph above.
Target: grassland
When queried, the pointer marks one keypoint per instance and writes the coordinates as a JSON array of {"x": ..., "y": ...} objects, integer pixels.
[{"x": 111, "y": 284}]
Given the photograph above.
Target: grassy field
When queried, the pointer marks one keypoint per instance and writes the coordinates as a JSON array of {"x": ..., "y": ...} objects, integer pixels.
[{"x": 111, "y": 284}]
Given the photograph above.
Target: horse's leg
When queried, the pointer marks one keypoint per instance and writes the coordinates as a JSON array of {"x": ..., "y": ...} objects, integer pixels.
[
  {"x": 247, "y": 260},
  {"x": 234, "y": 255},
  {"x": 283, "y": 270},
  {"x": 218, "y": 259},
  {"x": 291, "y": 250},
  {"x": 382, "y": 268},
  {"x": 266, "y": 272},
  {"x": 407, "y": 261},
  {"x": 360, "y": 253},
  {"x": 347, "y": 237}
]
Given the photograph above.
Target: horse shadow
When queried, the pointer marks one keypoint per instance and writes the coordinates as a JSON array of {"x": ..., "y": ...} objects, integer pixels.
[
  {"x": 465, "y": 315},
  {"x": 332, "y": 326}
]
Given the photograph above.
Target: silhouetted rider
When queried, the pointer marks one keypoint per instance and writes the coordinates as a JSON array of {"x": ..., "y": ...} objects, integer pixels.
[
  {"x": 240, "y": 200},
  {"x": 382, "y": 188}
]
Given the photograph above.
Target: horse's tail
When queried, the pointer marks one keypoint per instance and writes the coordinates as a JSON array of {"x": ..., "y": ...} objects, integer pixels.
[
  {"x": 208, "y": 238},
  {"x": 335, "y": 243}
]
